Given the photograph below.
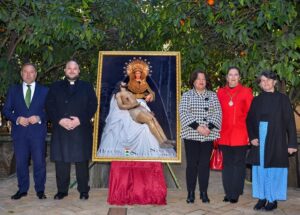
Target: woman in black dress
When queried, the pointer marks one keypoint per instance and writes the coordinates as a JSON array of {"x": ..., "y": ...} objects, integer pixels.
[{"x": 272, "y": 133}]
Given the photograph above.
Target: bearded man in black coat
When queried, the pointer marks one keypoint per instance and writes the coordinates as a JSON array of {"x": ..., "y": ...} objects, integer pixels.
[{"x": 70, "y": 105}]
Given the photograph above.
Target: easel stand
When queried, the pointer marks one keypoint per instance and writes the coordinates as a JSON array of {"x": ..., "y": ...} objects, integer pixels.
[{"x": 173, "y": 176}]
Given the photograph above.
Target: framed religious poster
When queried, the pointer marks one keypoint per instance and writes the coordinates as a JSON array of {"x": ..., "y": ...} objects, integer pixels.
[{"x": 137, "y": 117}]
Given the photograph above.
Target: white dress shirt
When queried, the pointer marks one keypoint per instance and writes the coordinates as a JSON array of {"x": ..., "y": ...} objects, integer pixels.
[{"x": 25, "y": 88}]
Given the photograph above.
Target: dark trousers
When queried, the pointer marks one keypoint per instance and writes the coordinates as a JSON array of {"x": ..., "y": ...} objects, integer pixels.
[
  {"x": 25, "y": 148},
  {"x": 233, "y": 174},
  {"x": 197, "y": 158},
  {"x": 63, "y": 170}
]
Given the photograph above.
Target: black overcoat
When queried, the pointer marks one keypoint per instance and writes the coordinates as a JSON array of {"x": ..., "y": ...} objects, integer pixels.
[
  {"x": 63, "y": 102},
  {"x": 281, "y": 133}
]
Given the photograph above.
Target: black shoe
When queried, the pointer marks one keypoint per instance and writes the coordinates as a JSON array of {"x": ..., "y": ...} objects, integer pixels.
[
  {"x": 60, "y": 195},
  {"x": 226, "y": 199},
  {"x": 41, "y": 195},
  {"x": 204, "y": 197},
  {"x": 271, "y": 206},
  {"x": 18, "y": 195},
  {"x": 84, "y": 196},
  {"x": 191, "y": 197},
  {"x": 234, "y": 200},
  {"x": 260, "y": 204}
]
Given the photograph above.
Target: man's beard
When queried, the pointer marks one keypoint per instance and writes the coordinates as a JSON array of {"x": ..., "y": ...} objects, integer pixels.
[{"x": 72, "y": 78}]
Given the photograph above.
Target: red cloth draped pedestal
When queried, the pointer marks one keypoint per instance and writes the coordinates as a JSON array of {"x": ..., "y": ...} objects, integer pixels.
[{"x": 136, "y": 183}]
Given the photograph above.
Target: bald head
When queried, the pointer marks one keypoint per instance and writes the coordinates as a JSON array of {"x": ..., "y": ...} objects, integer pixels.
[
  {"x": 72, "y": 62},
  {"x": 72, "y": 70}
]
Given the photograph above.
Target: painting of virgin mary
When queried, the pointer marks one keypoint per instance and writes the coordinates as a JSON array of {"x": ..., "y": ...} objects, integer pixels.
[{"x": 118, "y": 135}]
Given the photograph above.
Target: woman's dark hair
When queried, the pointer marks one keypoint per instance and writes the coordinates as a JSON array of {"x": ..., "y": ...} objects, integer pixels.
[
  {"x": 234, "y": 67},
  {"x": 268, "y": 74},
  {"x": 194, "y": 76}
]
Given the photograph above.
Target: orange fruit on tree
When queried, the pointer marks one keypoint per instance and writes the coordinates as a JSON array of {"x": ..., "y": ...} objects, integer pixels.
[
  {"x": 243, "y": 53},
  {"x": 182, "y": 21},
  {"x": 210, "y": 2}
]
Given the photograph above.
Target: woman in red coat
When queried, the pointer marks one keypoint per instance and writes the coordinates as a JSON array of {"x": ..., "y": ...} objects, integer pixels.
[{"x": 235, "y": 101}]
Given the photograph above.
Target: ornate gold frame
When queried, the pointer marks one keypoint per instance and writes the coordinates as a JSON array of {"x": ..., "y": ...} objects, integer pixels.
[{"x": 102, "y": 54}]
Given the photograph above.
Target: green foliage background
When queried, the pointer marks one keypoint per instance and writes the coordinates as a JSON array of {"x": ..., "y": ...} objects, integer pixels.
[{"x": 251, "y": 34}]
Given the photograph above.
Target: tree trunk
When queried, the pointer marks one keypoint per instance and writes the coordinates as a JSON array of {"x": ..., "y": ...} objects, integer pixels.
[
  {"x": 100, "y": 175},
  {"x": 293, "y": 176}
]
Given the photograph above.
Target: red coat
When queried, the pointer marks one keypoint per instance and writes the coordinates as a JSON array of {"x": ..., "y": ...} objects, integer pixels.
[{"x": 234, "y": 129}]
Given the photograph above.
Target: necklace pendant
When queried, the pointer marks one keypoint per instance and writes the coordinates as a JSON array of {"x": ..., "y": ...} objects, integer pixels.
[{"x": 230, "y": 103}]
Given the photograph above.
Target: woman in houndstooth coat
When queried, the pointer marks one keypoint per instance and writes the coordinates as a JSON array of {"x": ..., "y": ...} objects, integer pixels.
[{"x": 200, "y": 116}]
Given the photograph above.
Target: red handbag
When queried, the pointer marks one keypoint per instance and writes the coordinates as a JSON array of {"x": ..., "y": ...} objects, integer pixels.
[{"x": 216, "y": 159}]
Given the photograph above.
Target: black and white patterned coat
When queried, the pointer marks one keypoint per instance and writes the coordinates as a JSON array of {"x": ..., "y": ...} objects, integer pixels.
[{"x": 200, "y": 109}]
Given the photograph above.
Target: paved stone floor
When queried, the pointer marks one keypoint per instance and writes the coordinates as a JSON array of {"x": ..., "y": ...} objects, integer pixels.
[{"x": 97, "y": 204}]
